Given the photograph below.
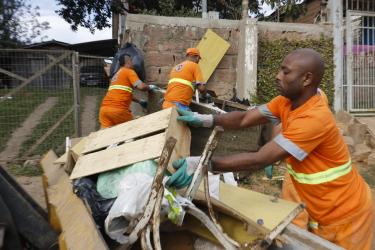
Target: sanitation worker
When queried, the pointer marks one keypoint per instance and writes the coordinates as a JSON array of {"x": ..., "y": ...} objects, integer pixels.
[
  {"x": 115, "y": 108},
  {"x": 338, "y": 200},
  {"x": 184, "y": 79}
]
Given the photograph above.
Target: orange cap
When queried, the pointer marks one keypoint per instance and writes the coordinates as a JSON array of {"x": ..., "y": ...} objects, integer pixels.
[{"x": 193, "y": 52}]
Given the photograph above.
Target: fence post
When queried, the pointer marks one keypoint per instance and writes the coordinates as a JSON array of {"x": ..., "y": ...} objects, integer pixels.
[{"x": 77, "y": 96}]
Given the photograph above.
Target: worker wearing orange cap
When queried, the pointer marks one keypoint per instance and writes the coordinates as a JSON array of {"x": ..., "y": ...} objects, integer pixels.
[
  {"x": 115, "y": 108},
  {"x": 184, "y": 79}
]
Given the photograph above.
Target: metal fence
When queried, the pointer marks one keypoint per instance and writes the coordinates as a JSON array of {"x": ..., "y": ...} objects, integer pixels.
[
  {"x": 359, "y": 46},
  {"x": 46, "y": 95}
]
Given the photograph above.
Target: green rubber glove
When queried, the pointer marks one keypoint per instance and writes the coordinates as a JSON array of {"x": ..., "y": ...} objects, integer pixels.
[
  {"x": 195, "y": 119},
  {"x": 185, "y": 170},
  {"x": 268, "y": 171}
]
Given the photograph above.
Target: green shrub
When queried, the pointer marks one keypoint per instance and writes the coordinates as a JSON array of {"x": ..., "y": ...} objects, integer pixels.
[{"x": 270, "y": 56}]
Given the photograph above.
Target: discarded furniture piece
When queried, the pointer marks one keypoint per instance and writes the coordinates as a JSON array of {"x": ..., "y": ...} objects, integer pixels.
[
  {"x": 78, "y": 229},
  {"x": 232, "y": 141},
  {"x": 137, "y": 140}
]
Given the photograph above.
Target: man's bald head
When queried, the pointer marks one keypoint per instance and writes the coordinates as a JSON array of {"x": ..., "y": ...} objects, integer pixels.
[{"x": 310, "y": 61}]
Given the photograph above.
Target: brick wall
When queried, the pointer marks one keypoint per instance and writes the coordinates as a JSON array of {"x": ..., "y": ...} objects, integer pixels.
[{"x": 165, "y": 40}]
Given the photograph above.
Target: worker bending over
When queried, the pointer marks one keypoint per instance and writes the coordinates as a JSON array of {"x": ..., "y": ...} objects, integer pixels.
[
  {"x": 184, "y": 78},
  {"x": 115, "y": 108},
  {"x": 338, "y": 200}
]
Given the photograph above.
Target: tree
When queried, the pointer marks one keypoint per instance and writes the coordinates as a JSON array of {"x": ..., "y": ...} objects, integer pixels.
[
  {"x": 19, "y": 24},
  {"x": 95, "y": 14}
]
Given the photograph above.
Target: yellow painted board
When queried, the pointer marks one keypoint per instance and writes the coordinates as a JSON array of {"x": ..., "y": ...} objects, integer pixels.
[
  {"x": 233, "y": 227},
  {"x": 255, "y": 206},
  {"x": 212, "y": 49}
]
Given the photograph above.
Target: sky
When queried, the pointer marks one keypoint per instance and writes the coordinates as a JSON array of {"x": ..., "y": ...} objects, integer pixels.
[{"x": 60, "y": 30}]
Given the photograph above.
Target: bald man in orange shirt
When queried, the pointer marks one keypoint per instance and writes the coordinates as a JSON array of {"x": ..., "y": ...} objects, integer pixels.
[
  {"x": 115, "y": 108},
  {"x": 338, "y": 200},
  {"x": 184, "y": 79}
]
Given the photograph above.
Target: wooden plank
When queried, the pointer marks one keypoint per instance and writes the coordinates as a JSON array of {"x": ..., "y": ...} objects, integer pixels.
[
  {"x": 64, "y": 158},
  {"x": 120, "y": 156},
  {"x": 181, "y": 132},
  {"x": 78, "y": 148},
  {"x": 78, "y": 227},
  {"x": 139, "y": 127},
  {"x": 212, "y": 49}
]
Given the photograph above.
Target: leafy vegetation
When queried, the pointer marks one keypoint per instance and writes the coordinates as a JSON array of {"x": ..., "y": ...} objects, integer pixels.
[
  {"x": 96, "y": 14},
  {"x": 19, "y": 24},
  {"x": 270, "y": 56}
]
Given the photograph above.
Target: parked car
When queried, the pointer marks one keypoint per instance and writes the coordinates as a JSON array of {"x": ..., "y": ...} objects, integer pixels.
[{"x": 93, "y": 76}]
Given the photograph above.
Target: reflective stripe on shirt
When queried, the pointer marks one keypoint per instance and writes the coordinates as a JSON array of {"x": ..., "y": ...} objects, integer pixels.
[
  {"x": 183, "y": 81},
  {"x": 121, "y": 87},
  {"x": 323, "y": 176}
]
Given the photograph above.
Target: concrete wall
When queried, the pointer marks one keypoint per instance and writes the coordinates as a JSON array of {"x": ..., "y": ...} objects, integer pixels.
[{"x": 164, "y": 40}]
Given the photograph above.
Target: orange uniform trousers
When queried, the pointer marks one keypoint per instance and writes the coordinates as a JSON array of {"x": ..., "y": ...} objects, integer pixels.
[
  {"x": 353, "y": 232},
  {"x": 110, "y": 116}
]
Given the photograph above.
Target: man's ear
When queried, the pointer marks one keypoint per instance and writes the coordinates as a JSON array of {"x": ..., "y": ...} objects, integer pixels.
[{"x": 307, "y": 79}]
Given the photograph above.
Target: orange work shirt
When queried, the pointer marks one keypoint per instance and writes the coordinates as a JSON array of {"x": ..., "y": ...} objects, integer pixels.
[
  {"x": 179, "y": 89},
  {"x": 120, "y": 91},
  {"x": 320, "y": 164}
]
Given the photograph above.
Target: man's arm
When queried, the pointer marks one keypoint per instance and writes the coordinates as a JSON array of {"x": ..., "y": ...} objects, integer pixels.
[
  {"x": 240, "y": 119},
  {"x": 142, "y": 86},
  {"x": 268, "y": 154}
]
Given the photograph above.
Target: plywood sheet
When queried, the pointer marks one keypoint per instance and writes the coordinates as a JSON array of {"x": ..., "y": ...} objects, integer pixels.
[
  {"x": 255, "y": 206},
  {"x": 120, "y": 156},
  {"x": 212, "y": 49},
  {"x": 181, "y": 133},
  {"x": 79, "y": 229},
  {"x": 139, "y": 127}
]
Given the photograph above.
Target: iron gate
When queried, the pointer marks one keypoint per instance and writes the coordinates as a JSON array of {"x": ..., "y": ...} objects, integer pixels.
[{"x": 360, "y": 61}]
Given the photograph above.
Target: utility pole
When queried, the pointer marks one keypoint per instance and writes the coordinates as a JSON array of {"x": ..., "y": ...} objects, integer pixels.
[
  {"x": 245, "y": 8},
  {"x": 204, "y": 9}
]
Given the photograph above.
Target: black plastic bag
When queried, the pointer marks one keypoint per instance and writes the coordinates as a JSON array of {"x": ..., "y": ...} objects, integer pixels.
[
  {"x": 85, "y": 188},
  {"x": 137, "y": 58}
]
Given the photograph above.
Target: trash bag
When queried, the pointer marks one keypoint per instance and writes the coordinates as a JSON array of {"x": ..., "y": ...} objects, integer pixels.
[
  {"x": 85, "y": 189},
  {"x": 137, "y": 58},
  {"x": 133, "y": 186},
  {"x": 110, "y": 182}
]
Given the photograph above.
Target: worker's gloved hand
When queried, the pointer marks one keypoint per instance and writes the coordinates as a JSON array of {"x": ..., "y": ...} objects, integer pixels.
[
  {"x": 153, "y": 87},
  {"x": 268, "y": 170},
  {"x": 185, "y": 169},
  {"x": 195, "y": 119},
  {"x": 143, "y": 103}
]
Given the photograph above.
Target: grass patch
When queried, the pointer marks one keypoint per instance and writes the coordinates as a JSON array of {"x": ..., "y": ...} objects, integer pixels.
[
  {"x": 13, "y": 112},
  {"x": 29, "y": 170}
]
